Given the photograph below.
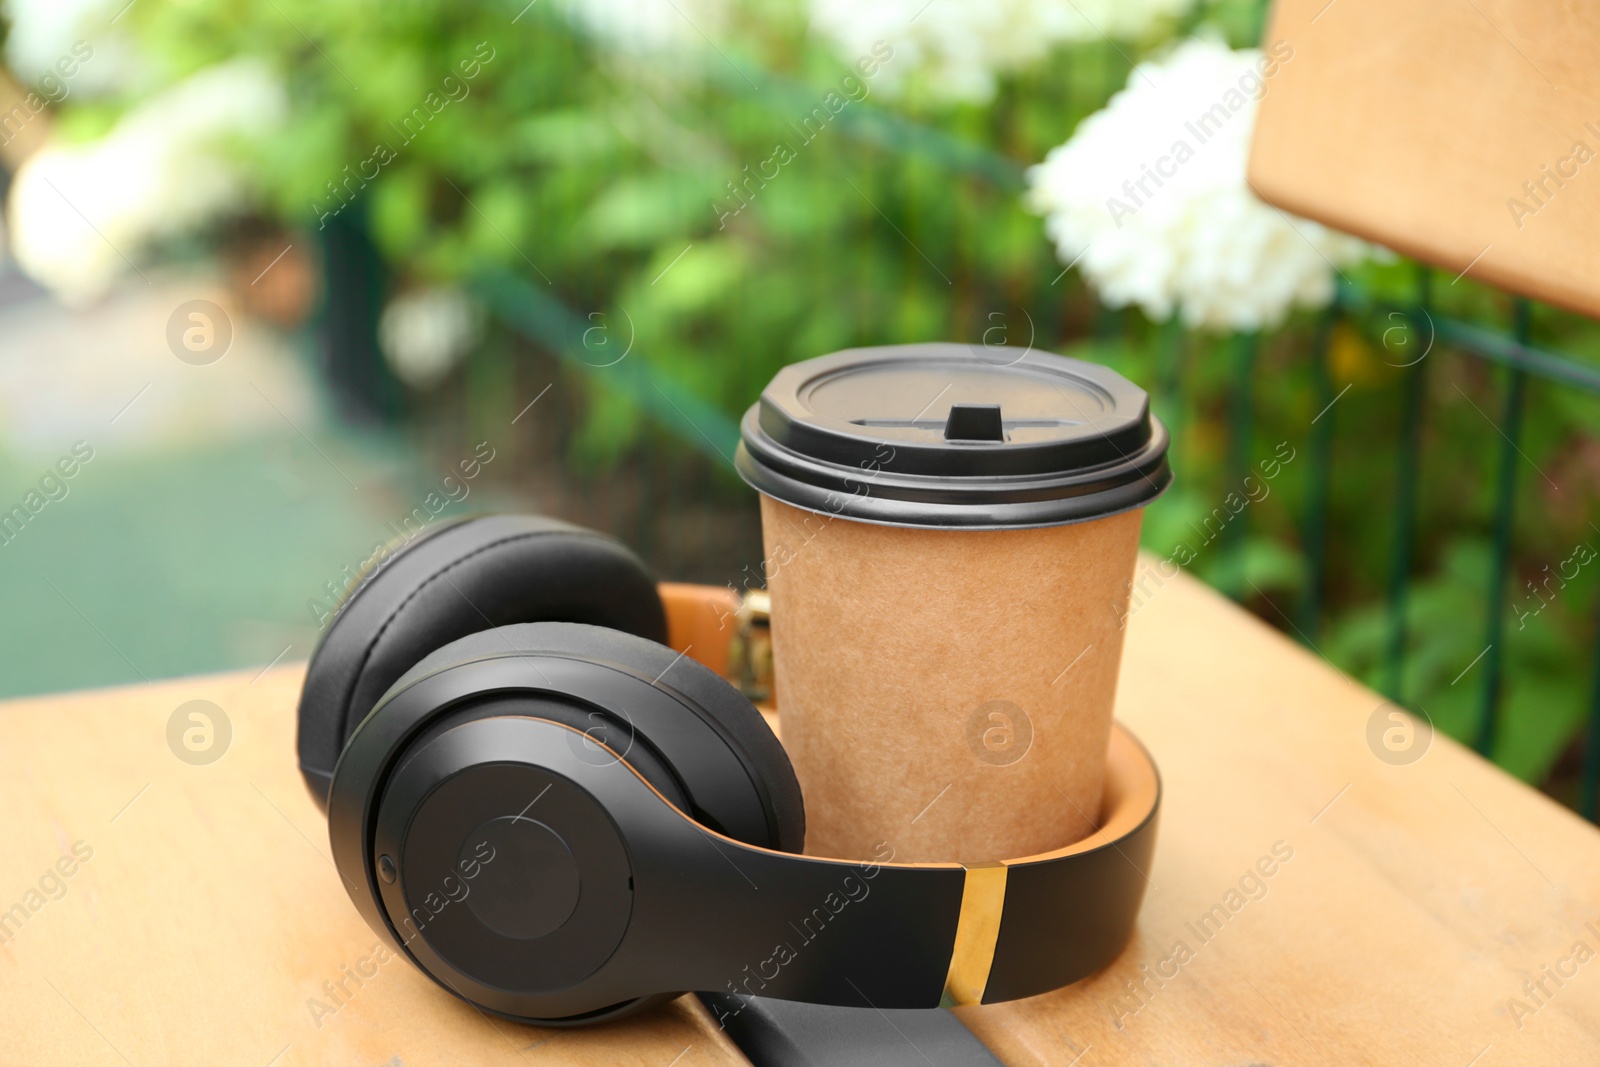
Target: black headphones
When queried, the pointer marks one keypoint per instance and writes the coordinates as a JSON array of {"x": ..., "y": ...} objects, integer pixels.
[{"x": 561, "y": 820}]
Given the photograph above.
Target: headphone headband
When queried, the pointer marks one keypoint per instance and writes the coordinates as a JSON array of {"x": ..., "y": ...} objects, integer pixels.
[{"x": 703, "y": 910}]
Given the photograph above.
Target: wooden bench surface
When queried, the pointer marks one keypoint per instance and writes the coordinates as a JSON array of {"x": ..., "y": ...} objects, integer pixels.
[
  {"x": 1309, "y": 903},
  {"x": 1462, "y": 134}
]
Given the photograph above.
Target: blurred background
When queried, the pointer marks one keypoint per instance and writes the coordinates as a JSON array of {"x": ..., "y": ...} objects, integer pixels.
[{"x": 283, "y": 282}]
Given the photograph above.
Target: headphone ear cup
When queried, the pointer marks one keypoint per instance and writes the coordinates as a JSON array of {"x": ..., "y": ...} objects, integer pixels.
[
  {"x": 463, "y": 579},
  {"x": 734, "y": 718}
]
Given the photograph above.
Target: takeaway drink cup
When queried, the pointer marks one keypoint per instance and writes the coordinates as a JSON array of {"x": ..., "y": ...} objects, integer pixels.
[{"x": 950, "y": 532}]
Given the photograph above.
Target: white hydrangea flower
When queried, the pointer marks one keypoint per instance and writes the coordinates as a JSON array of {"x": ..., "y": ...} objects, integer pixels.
[
  {"x": 958, "y": 47},
  {"x": 642, "y": 27},
  {"x": 82, "y": 214},
  {"x": 427, "y": 332},
  {"x": 1149, "y": 198},
  {"x": 44, "y": 32}
]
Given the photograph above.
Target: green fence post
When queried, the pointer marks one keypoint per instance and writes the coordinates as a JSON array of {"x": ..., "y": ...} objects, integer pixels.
[
  {"x": 1241, "y": 412},
  {"x": 1170, "y": 376},
  {"x": 355, "y": 280},
  {"x": 1504, "y": 513},
  {"x": 1589, "y": 792},
  {"x": 644, "y": 513},
  {"x": 1405, "y": 508},
  {"x": 1315, "y": 530},
  {"x": 1109, "y": 323}
]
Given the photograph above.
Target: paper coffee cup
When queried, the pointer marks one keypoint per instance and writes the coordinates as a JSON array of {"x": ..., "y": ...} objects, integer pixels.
[{"x": 949, "y": 540}]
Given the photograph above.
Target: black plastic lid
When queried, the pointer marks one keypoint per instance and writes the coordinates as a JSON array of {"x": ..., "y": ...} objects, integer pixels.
[{"x": 954, "y": 435}]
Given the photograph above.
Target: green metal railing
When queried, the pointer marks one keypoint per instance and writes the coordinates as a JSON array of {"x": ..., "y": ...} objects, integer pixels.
[
  {"x": 543, "y": 319},
  {"x": 1522, "y": 362},
  {"x": 533, "y": 312}
]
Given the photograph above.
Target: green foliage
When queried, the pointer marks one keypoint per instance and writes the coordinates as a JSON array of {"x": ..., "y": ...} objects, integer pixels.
[
  {"x": 685, "y": 195},
  {"x": 1545, "y": 699}
]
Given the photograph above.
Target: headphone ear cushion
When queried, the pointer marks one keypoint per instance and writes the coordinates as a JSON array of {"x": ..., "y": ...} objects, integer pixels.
[
  {"x": 740, "y": 724},
  {"x": 460, "y": 580}
]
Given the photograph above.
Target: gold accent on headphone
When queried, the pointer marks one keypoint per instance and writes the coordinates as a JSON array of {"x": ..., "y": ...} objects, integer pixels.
[{"x": 983, "y": 897}]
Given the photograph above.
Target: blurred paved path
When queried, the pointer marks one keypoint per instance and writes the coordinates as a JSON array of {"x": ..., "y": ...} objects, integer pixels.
[{"x": 218, "y": 501}]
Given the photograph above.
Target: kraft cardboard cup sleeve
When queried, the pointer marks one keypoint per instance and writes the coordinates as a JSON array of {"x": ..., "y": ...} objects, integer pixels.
[{"x": 949, "y": 540}]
